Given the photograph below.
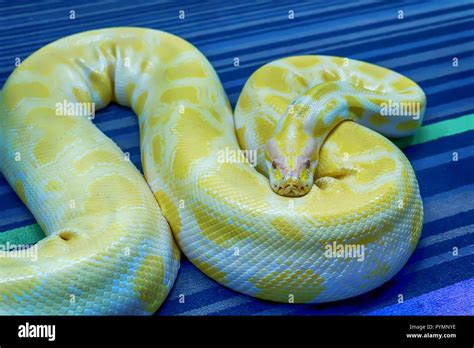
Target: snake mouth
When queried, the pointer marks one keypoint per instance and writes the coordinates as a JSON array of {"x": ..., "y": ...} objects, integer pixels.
[{"x": 291, "y": 189}]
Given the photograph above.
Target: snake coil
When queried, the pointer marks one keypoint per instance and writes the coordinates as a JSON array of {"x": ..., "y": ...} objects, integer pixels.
[{"x": 109, "y": 247}]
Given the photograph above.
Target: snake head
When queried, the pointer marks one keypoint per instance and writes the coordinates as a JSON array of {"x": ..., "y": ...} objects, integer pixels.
[{"x": 290, "y": 175}]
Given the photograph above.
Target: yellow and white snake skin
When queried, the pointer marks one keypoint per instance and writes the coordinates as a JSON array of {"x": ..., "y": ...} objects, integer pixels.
[{"x": 109, "y": 247}]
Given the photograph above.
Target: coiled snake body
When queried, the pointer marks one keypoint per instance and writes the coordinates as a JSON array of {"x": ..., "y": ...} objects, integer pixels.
[{"x": 109, "y": 247}]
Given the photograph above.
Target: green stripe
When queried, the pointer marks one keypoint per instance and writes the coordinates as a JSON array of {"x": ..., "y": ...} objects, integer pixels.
[
  {"x": 22, "y": 235},
  {"x": 33, "y": 233},
  {"x": 438, "y": 130}
]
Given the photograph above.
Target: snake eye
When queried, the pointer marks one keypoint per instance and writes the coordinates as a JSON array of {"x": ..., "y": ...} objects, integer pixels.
[
  {"x": 274, "y": 165},
  {"x": 307, "y": 164}
]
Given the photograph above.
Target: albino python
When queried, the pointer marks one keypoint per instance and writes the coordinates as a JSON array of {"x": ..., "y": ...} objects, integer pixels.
[{"x": 319, "y": 182}]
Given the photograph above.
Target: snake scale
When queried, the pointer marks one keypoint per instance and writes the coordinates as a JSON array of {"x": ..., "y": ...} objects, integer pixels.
[{"x": 113, "y": 238}]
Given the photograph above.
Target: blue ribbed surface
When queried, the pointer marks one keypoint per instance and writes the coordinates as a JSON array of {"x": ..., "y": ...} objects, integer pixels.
[{"x": 421, "y": 46}]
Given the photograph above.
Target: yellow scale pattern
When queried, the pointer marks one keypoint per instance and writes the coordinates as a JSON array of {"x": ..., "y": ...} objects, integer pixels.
[{"x": 109, "y": 247}]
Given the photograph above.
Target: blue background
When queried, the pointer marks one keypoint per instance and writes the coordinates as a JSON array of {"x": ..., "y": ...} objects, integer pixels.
[{"x": 420, "y": 46}]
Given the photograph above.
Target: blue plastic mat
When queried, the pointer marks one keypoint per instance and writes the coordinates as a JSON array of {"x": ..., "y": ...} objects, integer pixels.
[{"x": 430, "y": 42}]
